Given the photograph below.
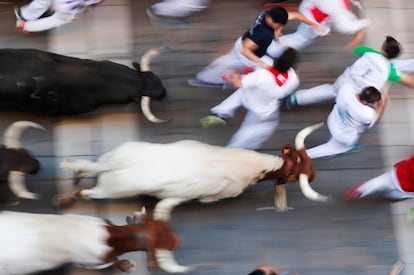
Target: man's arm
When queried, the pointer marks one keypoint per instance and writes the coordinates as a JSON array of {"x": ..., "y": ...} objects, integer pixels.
[
  {"x": 235, "y": 80},
  {"x": 380, "y": 106},
  {"x": 248, "y": 48},
  {"x": 297, "y": 16},
  {"x": 407, "y": 80},
  {"x": 358, "y": 37}
]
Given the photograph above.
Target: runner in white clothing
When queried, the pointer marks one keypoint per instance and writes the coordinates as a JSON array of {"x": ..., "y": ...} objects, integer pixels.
[
  {"x": 335, "y": 14},
  {"x": 373, "y": 68},
  {"x": 249, "y": 50},
  {"x": 260, "y": 93},
  {"x": 64, "y": 11},
  {"x": 178, "y": 8},
  {"x": 351, "y": 116}
]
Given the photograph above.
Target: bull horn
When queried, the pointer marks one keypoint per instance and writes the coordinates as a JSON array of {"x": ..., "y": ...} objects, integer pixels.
[
  {"x": 145, "y": 100},
  {"x": 16, "y": 183},
  {"x": 147, "y": 57},
  {"x": 308, "y": 191},
  {"x": 165, "y": 258},
  {"x": 167, "y": 262},
  {"x": 162, "y": 211},
  {"x": 13, "y": 132},
  {"x": 300, "y": 137},
  {"x": 146, "y": 110}
]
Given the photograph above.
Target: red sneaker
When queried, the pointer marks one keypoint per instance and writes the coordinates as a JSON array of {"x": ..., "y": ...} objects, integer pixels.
[{"x": 352, "y": 193}]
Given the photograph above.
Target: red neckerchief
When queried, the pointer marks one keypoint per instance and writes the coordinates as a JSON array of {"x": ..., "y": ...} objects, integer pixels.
[
  {"x": 280, "y": 78},
  {"x": 320, "y": 16},
  {"x": 348, "y": 4}
]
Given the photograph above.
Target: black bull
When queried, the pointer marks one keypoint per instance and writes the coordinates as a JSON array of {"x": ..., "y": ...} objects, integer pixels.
[{"x": 39, "y": 81}]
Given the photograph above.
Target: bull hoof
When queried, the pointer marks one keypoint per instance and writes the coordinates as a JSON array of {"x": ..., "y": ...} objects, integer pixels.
[{"x": 127, "y": 265}]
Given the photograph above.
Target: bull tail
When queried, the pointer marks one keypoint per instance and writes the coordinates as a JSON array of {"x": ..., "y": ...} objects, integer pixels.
[{"x": 82, "y": 168}]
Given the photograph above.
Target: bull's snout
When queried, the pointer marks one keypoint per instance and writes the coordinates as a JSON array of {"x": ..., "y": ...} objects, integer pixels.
[{"x": 35, "y": 167}]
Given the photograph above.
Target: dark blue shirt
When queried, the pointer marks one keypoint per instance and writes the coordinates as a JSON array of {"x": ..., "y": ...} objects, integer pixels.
[{"x": 261, "y": 34}]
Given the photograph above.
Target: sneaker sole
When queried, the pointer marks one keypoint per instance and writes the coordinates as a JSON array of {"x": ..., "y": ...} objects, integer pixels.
[{"x": 166, "y": 21}]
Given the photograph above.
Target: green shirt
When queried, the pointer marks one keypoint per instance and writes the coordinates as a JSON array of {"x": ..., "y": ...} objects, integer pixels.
[{"x": 394, "y": 76}]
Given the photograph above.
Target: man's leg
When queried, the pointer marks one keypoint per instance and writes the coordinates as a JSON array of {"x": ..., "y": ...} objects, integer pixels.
[
  {"x": 228, "y": 106},
  {"x": 313, "y": 95},
  {"x": 381, "y": 183},
  {"x": 46, "y": 23},
  {"x": 253, "y": 132},
  {"x": 223, "y": 110},
  {"x": 179, "y": 8},
  {"x": 228, "y": 63},
  {"x": 332, "y": 147},
  {"x": 34, "y": 9}
]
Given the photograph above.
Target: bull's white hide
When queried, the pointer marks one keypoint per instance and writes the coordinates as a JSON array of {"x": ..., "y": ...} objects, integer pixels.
[
  {"x": 184, "y": 169},
  {"x": 35, "y": 242}
]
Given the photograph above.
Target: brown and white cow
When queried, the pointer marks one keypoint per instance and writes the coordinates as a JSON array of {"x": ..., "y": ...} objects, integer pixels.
[
  {"x": 39, "y": 242},
  {"x": 187, "y": 170}
]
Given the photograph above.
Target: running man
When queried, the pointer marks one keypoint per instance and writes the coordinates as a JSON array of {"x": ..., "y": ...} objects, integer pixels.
[
  {"x": 29, "y": 17},
  {"x": 351, "y": 116},
  {"x": 396, "y": 184},
  {"x": 373, "y": 68},
  {"x": 249, "y": 50},
  {"x": 335, "y": 14},
  {"x": 259, "y": 92}
]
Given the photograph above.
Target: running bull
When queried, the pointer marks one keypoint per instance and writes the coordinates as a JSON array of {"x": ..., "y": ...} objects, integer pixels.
[
  {"x": 39, "y": 81},
  {"x": 187, "y": 170},
  {"x": 16, "y": 161},
  {"x": 39, "y": 242}
]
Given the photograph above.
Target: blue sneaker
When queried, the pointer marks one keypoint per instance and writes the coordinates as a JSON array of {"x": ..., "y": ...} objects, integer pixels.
[
  {"x": 212, "y": 121},
  {"x": 199, "y": 83},
  {"x": 289, "y": 102},
  {"x": 356, "y": 148}
]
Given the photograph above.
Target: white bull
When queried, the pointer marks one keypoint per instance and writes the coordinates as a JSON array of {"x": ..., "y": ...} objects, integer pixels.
[{"x": 187, "y": 170}]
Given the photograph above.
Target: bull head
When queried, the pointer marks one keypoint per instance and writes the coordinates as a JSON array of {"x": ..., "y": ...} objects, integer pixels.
[
  {"x": 17, "y": 161},
  {"x": 163, "y": 240},
  {"x": 146, "y": 100},
  {"x": 304, "y": 172}
]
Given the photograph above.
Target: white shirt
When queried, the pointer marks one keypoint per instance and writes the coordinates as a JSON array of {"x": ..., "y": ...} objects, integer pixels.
[
  {"x": 339, "y": 16},
  {"x": 371, "y": 69},
  {"x": 262, "y": 93},
  {"x": 349, "y": 117}
]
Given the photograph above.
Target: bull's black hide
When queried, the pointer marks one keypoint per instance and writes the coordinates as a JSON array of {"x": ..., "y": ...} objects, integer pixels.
[{"x": 35, "y": 80}]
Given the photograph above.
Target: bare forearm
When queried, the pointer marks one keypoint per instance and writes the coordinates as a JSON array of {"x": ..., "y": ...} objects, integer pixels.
[
  {"x": 297, "y": 16},
  {"x": 355, "y": 41},
  {"x": 248, "y": 53}
]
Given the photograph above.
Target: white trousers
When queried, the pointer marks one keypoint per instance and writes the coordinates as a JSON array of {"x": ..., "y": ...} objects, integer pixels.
[
  {"x": 232, "y": 61},
  {"x": 314, "y": 95},
  {"x": 179, "y": 8},
  {"x": 35, "y": 9},
  {"x": 254, "y": 130},
  {"x": 330, "y": 148},
  {"x": 387, "y": 184},
  {"x": 404, "y": 65},
  {"x": 298, "y": 40},
  {"x": 322, "y": 92},
  {"x": 64, "y": 12}
]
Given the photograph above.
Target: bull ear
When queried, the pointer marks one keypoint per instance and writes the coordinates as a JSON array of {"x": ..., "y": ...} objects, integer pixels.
[{"x": 136, "y": 66}]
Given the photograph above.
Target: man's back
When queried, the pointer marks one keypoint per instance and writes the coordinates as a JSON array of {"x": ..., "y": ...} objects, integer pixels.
[{"x": 371, "y": 69}]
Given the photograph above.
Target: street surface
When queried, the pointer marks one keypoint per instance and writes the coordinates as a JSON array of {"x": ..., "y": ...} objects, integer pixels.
[{"x": 232, "y": 236}]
